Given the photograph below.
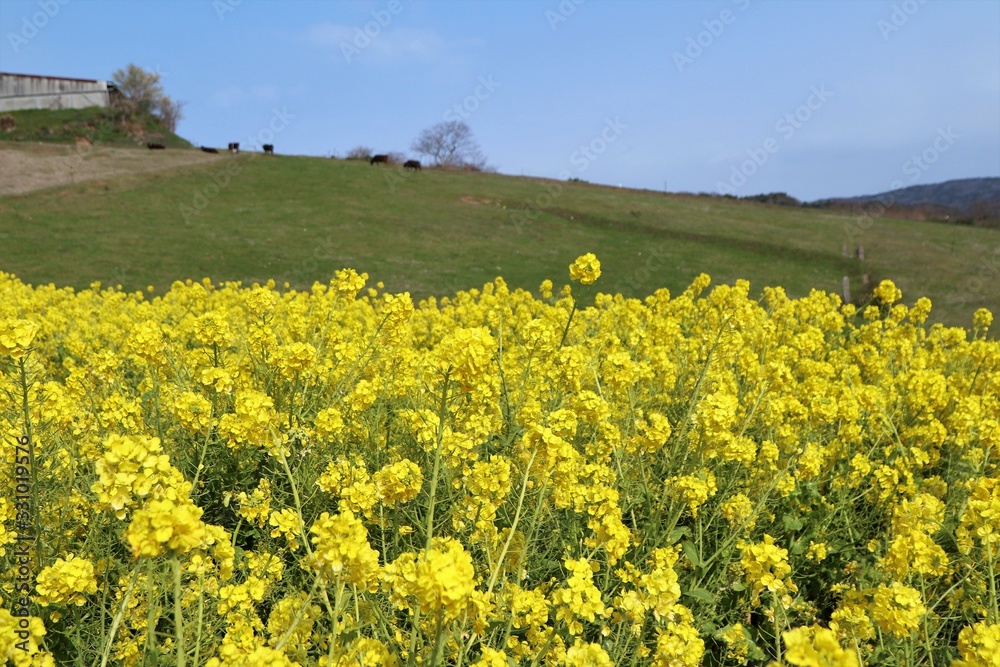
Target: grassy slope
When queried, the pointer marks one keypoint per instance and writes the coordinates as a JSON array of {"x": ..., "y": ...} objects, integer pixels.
[
  {"x": 63, "y": 126},
  {"x": 298, "y": 219}
]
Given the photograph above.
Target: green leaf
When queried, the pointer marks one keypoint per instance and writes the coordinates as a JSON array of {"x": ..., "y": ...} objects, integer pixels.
[
  {"x": 700, "y": 594},
  {"x": 792, "y": 523},
  {"x": 738, "y": 586},
  {"x": 677, "y": 533},
  {"x": 691, "y": 551},
  {"x": 756, "y": 653}
]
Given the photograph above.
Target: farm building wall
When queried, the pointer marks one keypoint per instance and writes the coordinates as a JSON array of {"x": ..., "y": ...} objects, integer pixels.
[{"x": 25, "y": 91}]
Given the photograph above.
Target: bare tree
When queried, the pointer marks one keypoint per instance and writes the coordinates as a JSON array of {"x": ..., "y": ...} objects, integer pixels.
[
  {"x": 450, "y": 143},
  {"x": 170, "y": 112}
]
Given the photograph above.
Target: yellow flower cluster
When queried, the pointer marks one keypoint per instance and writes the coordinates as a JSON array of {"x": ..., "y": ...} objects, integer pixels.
[
  {"x": 979, "y": 646},
  {"x": 129, "y": 470},
  {"x": 579, "y": 600},
  {"x": 398, "y": 482},
  {"x": 816, "y": 647},
  {"x": 765, "y": 566},
  {"x": 586, "y": 269},
  {"x": 440, "y": 581},
  {"x": 172, "y": 525},
  {"x": 342, "y": 476},
  {"x": 342, "y": 550},
  {"x": 21, "y": 640},
  {"x": 68, "y": 581},
  {"x": 16, "y": 336}
]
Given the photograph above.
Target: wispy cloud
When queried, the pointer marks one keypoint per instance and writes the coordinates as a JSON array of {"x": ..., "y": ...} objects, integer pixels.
[
  {"x": 228, "y": 97},
  {"x": 265, "y": 91},
  {"x": 385, "y": 44},
  {"x": 232, "y": 96}
]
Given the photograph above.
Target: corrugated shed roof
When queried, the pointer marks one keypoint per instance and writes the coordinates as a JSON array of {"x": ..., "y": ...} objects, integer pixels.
[{"x": 56, "y": 78}]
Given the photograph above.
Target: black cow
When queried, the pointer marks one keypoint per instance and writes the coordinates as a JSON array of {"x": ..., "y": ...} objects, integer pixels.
[
  {"x": 209, "y": 150},
  {"x": 412, "y": 164},
  {"x": 268, "y": 149},
  {"x": 234, "y": 148},
  {"x": 155, "y": 147},
  {"x": 379, "y": 159}
]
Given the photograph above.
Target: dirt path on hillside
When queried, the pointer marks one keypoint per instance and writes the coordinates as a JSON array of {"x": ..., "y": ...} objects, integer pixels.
[{"x": 28, "y": 166}]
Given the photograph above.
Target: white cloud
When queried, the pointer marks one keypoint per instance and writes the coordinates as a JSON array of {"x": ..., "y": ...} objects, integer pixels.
[
  {"x": 374, "y": 42},
  {"x": 228, "y": 97},
  {"x": 265, "y": 92}
]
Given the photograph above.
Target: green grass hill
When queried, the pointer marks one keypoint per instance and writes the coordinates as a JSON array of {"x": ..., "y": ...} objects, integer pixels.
[
  {"x": 98, "y": 126},
  {"x": 298, "y": 219}
]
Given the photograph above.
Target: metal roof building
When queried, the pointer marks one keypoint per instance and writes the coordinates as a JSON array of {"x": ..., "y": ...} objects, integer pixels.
[{"x": 29, "y": 91}]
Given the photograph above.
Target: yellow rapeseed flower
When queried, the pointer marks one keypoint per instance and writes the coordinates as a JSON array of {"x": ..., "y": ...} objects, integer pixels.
[
  {"x": 16, "y": 336},
  {"x": 586, "y": 269},
  {"x": 816, "y": 646},
  {"x": 68, "y": 581}
]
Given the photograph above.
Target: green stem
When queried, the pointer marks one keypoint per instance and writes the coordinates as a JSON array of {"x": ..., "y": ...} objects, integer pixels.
[
  {"x": 927, "y": 637},
  {"x": 568, "y": 322},
  {"x": 178, "y": 612},
  {"x": 201, "y": 618},
  {"x": 513, "y": 526},
  {"x": 151, "y": 615},
  {"x": 201, "y": 457},
  {"x": 438, "y": 636},
  {"x": 116, "y": 622},
  {"x": 993, "y": 584},
  {"x": 298, "y": 617},
  {"x": 411, "y": 657},
  {"x": 442, "y": 417},
  {"x": 777, "y": 631},
  {"x": 303, "y": 533}
]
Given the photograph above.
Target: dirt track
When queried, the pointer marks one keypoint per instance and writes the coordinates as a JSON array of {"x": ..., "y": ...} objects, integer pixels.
[{"x": 29, "y": 166}]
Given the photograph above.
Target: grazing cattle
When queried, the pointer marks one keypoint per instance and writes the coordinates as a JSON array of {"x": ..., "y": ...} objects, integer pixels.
[
  {"x": 412, "y": 164},
  {"x": 379, "y": 159},
  {"x": 155, "y": 147},
  {"x": 268, "y": 149},
  {"x": 234, "y": 148},
  {"x": 209, "y": 150}
]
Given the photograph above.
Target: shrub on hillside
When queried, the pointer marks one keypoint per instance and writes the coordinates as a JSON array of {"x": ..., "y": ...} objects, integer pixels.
[{"x": 359, "y": 153}]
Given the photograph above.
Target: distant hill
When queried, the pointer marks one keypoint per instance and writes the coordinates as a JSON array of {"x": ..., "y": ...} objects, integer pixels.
[{"x": 969, "y": 197}]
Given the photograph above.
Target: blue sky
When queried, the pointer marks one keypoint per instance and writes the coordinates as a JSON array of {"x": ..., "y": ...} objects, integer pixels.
[{"x": 812, "y": 98}]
